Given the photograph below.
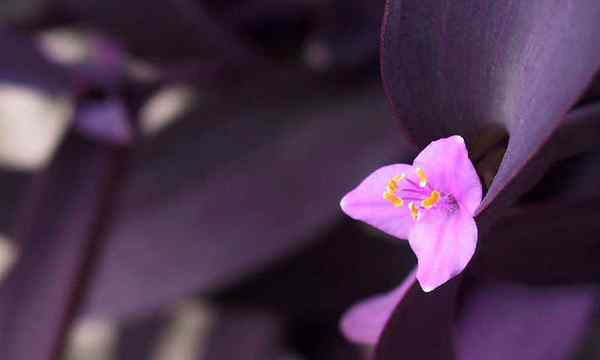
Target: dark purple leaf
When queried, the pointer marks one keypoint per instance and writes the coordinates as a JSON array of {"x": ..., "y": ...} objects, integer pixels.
[
  {"x": 325, "y": 279},
  {"x": 555, "y": 243},
  {"x": 421, "y": 325},
  {"x": 206, "y": 203},
  {"x": 579, "y": 132},
  {"x": 499, "y": 322},
  {"x": 592, "y": 94},
  {"x": 525, "y": 245},
  {"x": 58, "y": 234},
  {"x": 453, "y": 66},
  {"x": 466, "y": 67}
]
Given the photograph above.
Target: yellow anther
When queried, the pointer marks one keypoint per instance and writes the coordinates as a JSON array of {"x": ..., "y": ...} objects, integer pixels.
[
  {"x": 414, "y": 211},
  {"x": 399, "y": 178},
  {"x": 432, "y": 200},
  {"x": 422, "y": 177},
  {"x": 391, "y": 197},
  {"x": 392, "y": 186}
]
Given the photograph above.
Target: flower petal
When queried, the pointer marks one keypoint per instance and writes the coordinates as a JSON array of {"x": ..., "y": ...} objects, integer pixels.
[
  {"x": 446, "y": 162},
  {"x": 365, "y": 321},
  {"x": 444, "y": 244},
  {"x": 366, "y": 203}
]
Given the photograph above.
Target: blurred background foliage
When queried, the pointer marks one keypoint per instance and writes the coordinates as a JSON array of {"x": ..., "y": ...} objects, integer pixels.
[{"x": 243, "y": 122}]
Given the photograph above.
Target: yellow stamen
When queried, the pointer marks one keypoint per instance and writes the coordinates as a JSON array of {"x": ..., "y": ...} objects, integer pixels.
[
  {"x": 391, "y": 197},
  {"x": 422, "y": 177},
  {"x": 414, "y": 211},
  {"x": 392, "y": 186},
  {"x": 399, "y": 178},
  {"x": 432, "y": 200}
]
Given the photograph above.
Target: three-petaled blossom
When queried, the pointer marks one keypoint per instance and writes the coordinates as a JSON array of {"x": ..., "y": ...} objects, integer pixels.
[{"x": 431, "y": 203}]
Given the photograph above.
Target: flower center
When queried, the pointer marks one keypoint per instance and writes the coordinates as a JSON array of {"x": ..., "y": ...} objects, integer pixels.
[{"x": 420, "y": 194}]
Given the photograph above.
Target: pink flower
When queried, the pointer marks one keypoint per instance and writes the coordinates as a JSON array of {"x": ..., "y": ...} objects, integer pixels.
[{"x": 431, "y": 203}]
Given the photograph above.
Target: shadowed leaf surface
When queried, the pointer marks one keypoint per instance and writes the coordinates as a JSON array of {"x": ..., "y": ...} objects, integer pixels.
[
  {"x": 421, "y": 325},
  {"x": 544, "y": 244},
  {"x": 323, "y": 280},
  {"x": 207, "y": 203},
  {"x": 499, "y": 322}
]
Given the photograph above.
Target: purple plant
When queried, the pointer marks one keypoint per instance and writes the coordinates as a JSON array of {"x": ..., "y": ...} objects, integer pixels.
[
  {"x": 234, "y": 205},
  {"x": 505, "y": 62}
]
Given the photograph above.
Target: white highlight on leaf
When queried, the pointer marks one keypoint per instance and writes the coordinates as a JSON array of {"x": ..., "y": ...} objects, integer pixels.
[
  {"x": 31, "y": 126},
  {"x": 165, "y": 107}
]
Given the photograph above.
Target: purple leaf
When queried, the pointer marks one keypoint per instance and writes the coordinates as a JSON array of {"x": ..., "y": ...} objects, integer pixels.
[
  {"x": 582, "y": 124},
  {"x": 555, "y": 243},
  {"x": 420, "y": 327},
  {"x": 592, "y": 94},
  {"x": 525, "y": 245},
  {"x": 499, "y": 322},
  {"x": 452, "y": 66},
  {"x": 205, "y": 205},
  {"x": 315, "y": 280},
  {"x": 463, "y": 67},
  {"x": 58, "y": 235},
  {"x": 364, "y": 322}
]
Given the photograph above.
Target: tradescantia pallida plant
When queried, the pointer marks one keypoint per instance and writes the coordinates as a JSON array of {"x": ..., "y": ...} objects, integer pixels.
[
  {"x": 473, "y": 68},
  {"x": 236, "y": 203}
]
